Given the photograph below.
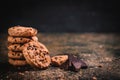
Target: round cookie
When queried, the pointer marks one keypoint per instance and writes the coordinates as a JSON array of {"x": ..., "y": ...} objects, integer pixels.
[
  {"x": 15, "y": 55},
  {"x": 17, "y": 62},
  {"x": 22, "y": 31},
  {"x": 15, "y": 47},
  {"x": 36, "y": 54},
  {"x": 12, "y": 39},
  {"x": 59, "y": 60}
]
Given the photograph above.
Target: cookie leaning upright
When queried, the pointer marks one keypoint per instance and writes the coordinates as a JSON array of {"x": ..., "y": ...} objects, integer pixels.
[
  {"x": 36, "y": 54},
  {"x": 22, "y": 31}
]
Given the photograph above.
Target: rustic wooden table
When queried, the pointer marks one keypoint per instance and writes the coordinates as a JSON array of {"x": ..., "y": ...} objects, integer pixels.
[{"x": 100, "y": 51}]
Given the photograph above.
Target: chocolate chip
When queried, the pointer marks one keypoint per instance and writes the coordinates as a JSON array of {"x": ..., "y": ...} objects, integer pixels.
[
  {"x": 44, "y": 53},
  {"x": 32, "y": 48},
  {"x": 47, "y": 53},
  {"x": 15, "y": 40},
  {"x": 41, "y": 60},
  {"x": 21, "y": 45},
  {"x": 13, "y": 54},
  {"x": 61, "y": 61},
  {"x": 20, "y": 38},
  {"x": 28, "y": 48},
  {"x": 36, "y": 53},
  {"x": 15, "y": 47},
  {"x": 42, "y": 56},
  {"x": 56, "y": 58},
  {"x": 18, "y": 54}
]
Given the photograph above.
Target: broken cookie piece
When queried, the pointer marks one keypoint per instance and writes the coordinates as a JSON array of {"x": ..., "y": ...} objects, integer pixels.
[{"x": 59, "y": 60}]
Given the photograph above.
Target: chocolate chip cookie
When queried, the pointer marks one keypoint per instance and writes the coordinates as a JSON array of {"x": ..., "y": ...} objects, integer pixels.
[
  {"x": 22, "y": 31},
  {"x": 36, "y": 54},
  {"x": 59, "y": 60},
  {"x": 15, "y": 55},
  {"x": 12, "y": 39},
  {"x": 16, "y": 62},
  {"x": 15, "y": 47}
]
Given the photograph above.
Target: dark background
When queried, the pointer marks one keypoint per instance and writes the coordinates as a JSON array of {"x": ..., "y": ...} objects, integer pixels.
[{"x": 61, "y": 16}]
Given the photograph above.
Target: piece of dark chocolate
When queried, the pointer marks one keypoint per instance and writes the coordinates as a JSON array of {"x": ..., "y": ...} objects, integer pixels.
[
  {"x": 70, "y": 59},
  {"x": 83, "y": 64},
  {"x": 75, "y": 64}
]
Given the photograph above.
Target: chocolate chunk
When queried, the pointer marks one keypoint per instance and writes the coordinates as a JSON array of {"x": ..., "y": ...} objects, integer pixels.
[
  {"x": 83, "y": 64},
  {"x": 76, "y": 65}
]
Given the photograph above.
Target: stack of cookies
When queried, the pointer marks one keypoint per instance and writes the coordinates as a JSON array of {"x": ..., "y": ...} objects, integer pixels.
[
  {"x": 24, "y": 48},
  {"x": 18, "y": 36}
]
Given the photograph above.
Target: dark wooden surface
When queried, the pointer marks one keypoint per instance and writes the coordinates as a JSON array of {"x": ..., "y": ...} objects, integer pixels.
[{"x": 100, "y": 51}]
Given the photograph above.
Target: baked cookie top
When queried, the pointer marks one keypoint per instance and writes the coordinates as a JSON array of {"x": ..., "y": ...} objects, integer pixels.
[
  {"x": 36, "y": 54},
  {"x": 22, "y": 31}
]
